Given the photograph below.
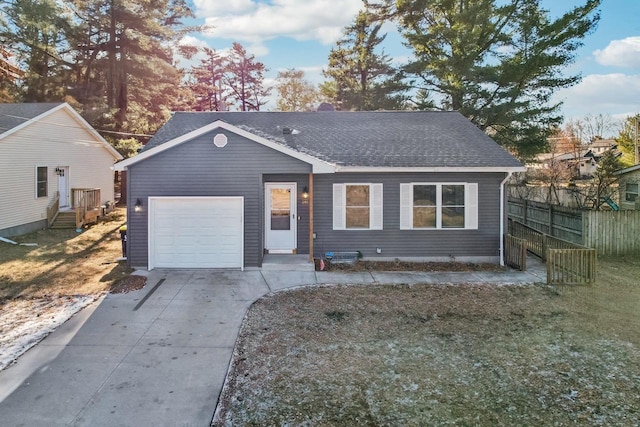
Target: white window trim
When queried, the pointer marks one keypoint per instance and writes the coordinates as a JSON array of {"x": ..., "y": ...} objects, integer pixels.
[
  {"x": 470, "y": 206},
  {"x": 375, "y": 206},
  {"x": 35, "y": 170}
]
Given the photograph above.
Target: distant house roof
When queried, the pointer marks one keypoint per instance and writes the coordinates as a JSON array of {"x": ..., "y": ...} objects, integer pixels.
[
  {"x": 399, "y": 139},
  {"x": 627, "y": 170},
  {"x": 14, "y": 117},
  {"x": 605, "y": 143}
]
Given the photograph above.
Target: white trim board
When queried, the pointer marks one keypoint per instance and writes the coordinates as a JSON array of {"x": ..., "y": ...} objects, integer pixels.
[{"x": 319, "y": 166}]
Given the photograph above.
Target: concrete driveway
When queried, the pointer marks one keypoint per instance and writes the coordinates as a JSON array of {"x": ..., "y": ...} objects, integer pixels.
[
  {"x": 153, "y": 357},
  {"x": 159, "y": 356}
]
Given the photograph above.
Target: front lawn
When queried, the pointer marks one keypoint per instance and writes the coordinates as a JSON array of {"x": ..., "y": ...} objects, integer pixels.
[
  {"x": 441, "y": 355},
  {"x": 63, "y": 262},
  {"x": 52, "y": 277}
]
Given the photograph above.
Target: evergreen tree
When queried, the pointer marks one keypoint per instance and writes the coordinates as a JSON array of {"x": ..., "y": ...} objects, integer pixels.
[
  {"x": 245, "y": 79},
  {"x": 497, "y": 62},
  {"x": 35, "y": 30},
  {"x": 364, "y": 79},
  {"x": 208, "y": 78},
  {"x": 9, "y": 75},
  {"x": 125, "y": 71},
  {"x": 604, "y": 183}
]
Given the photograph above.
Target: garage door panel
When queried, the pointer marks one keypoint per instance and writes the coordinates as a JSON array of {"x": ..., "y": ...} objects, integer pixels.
[{"x": 205, "y": 232}]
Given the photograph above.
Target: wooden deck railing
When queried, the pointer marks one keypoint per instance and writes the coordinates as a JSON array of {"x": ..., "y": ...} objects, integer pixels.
[
  {"x": 567, "y": 262},
  {"x": 571, "y": 266},
  {"x": 53, "y": 209},
  {"x": 535, "y": 239},
  {"x": 537, "y": 242},
  {"x": 516, "y": 252},
  {"x": 86, "y": 202}
]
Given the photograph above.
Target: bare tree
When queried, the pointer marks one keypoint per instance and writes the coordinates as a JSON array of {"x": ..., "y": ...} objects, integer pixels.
[
  {"x": 294, "y": 92},
  {"x": 592, "y": 127}
]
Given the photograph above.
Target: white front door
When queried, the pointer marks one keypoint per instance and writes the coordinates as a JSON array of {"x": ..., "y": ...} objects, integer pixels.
[
  {"x": 63, "y": 186},
  {"x": 281, "y": 220}
]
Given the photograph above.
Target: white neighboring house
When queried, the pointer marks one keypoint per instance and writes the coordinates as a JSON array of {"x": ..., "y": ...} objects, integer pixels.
[{"x": 46, "y": 151}]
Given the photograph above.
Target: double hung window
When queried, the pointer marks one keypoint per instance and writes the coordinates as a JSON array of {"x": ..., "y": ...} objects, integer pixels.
[
  {"x": 357, "y": 206},
  {"x": 42, "y": 183},
  {"x": 438, "y": 206},
  {"x": 631, "y": 192}
]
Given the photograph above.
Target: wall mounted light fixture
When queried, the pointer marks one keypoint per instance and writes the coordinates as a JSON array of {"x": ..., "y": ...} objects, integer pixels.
[
  {"x": 305, "y": 192},
  {"x": 138, "y": 206}
]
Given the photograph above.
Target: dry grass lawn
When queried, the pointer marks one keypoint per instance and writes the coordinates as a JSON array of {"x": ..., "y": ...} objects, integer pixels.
[
  {"x": 467, "y": 355},
  {"x": 64, "y": 262},
  {"x": 42, "y": 286}
]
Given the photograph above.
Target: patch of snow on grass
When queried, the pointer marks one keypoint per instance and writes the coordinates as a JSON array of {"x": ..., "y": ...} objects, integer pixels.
[{"x": 24, "y": 323}]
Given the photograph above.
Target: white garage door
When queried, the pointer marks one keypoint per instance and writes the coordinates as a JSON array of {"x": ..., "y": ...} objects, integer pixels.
[{"x": 196, "y": 232}]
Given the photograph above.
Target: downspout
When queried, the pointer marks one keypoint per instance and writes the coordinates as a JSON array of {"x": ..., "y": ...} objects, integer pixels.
[{"x": 502, "y": 218}]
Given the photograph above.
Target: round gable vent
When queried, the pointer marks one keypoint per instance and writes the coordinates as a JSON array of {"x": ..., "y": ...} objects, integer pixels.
[{"x": 220, "y": 140}]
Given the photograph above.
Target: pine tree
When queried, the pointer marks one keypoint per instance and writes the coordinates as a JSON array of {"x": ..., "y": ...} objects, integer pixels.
[
  {"x": 35, "y": 30},
  {"x": 208, "y": 78},
  {"x": 124, "y": 62},
  {"x": 497, "y": 62},
  {"x": 364, "y": 79},
  {"x": 245, "y": 79}
]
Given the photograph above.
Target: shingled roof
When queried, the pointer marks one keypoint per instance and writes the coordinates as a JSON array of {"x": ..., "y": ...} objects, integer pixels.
[
  {"x": 13, "y": 115},
  {"x": 364, "y": 139}
]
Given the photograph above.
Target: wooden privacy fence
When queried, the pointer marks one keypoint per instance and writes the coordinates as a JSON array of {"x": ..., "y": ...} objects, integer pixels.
[
  {"x": 612, "y": 233},
  {"x": 608, "y": 232},
  {"x": 567, "y": 262},
  {"x": 558, "y": 221}
]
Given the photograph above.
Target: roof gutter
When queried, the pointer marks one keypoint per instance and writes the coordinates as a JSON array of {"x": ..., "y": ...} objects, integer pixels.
[
  {"x": 421, "y": 169},
  {"x": 502, "y": 217}
]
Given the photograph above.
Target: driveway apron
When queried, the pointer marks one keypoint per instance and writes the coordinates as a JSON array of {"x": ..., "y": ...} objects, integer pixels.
[{"x": 152, "y": 357}]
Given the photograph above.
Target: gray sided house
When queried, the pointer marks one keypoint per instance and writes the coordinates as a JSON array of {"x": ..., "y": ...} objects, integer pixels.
[
  {"x": 222, "y": 189},
  {"x": 629, "y": 187}
]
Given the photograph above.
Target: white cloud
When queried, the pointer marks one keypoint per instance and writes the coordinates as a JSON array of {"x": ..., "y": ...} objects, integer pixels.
[
  {"x": 192, "y": 41},
  {"x": 298, "y": 19},
  {"x": 620, "y": 53},
  {"x": 613, "y": 94},
  {"x": 206, "y": 8}
]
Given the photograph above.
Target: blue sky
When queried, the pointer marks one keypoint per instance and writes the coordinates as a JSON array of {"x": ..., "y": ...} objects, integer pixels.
[{"x": 299, "y": 34}]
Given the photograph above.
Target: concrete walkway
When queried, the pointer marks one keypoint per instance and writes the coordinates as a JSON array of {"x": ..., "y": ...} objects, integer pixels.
[{"x": 159, "y": 356}]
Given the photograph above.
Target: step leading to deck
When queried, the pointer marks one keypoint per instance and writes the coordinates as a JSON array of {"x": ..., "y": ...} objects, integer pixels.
[
  {"x": 65, "y": 220},
  {"x": 287, "y": 263}
]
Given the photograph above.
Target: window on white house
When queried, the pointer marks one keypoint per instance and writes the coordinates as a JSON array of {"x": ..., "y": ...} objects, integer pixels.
[
  {"x": 357, "y": 206},
  {"x": 438, "y": 206},
  {"x": 41, "y": 181},
  {"x": 631, "y": 193}
]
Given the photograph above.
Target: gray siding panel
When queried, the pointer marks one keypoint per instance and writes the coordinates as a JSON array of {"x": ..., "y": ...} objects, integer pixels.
[
  {"x": 199, "y": 168},
  {"x": 480, "y": 243}
]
